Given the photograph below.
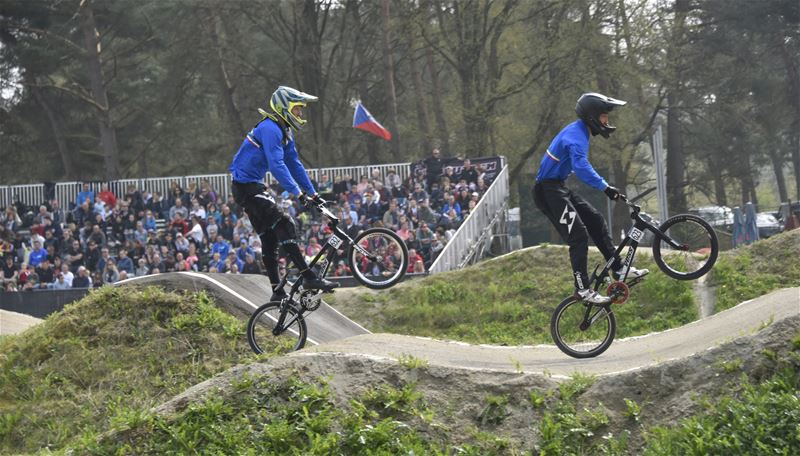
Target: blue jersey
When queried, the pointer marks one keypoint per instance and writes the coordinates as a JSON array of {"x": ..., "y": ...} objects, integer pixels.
[
  {"x": 262, "y": 150},
  {"x": 568, "y": 153}
]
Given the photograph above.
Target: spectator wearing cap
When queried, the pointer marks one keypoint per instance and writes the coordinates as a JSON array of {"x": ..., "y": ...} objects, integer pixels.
[
  {"x": 233, "y": 260},
  {"x": 181, "y": 243},
  {"x": 84, "y": 196},
  {"x": 60, "y": 282},
  {"x": 243, "y": 250},
  {"x": 82, "y": 279}
]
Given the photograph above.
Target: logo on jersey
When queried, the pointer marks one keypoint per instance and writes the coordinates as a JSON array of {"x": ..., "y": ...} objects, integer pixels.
[{"x": 568, "y": 218}]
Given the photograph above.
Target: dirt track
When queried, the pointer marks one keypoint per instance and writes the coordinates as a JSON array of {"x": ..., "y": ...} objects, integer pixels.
[{"x": 13, "y": 323}]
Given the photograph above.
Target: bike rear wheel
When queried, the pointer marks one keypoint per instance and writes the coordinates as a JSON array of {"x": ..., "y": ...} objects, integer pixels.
[
  {"x": 262, "y": 323},
  {"x": 698, "y": 252},
  {"x": 378, "y": 258},
  {"x": 582, "y": 330}
]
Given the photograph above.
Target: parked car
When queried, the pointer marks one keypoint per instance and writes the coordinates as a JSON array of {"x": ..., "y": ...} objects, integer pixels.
[
  {"x": 767, "y": 225},
  {"x": 720, "y": 217}
]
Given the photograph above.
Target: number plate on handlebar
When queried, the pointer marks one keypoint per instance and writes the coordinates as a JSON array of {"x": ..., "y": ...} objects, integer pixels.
[
  {"x": 636, "y": 234},
  {"x": 335, "y": 241}
]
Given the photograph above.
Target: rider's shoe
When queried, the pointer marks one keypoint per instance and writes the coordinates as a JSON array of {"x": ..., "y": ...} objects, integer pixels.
[
  {"x": 278, "y": 295},
  {"x": 319, "y": 284},
  {"x": 633, "y": 273},
  {"x": 592, "y": 296}
]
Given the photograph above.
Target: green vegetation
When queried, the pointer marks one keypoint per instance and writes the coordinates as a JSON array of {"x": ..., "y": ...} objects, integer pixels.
[
  {"x": 757, "y": 269},
  {"x": 759, "y": 419},
  {"x": 292, "y": 418},
  {"x": 509, "y": 300},
  {"x": 106, "y": 360}
]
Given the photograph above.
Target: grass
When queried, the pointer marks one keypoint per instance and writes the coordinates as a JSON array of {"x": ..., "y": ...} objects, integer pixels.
[
  {"x": 756, "y": 269},
  {"x": 107, "y": 359},
  {"x": 509, "y": 300}
]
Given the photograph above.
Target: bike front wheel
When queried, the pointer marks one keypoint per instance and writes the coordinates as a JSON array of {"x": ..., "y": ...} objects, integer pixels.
[
  {"x": 582, "y": 330},
  {"x": 378, "y": 258},
  {"x": 261, "y": 329},
  {"x": 698, "y": 249}
]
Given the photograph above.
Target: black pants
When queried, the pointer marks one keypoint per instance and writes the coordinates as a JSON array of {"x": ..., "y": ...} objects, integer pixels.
[
  {"x": 274, "y": 227},
  {"x": 575, "y": 220}
]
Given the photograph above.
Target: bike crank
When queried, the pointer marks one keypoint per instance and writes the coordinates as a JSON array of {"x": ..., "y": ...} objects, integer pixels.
[{"x": 618, "y": 292}]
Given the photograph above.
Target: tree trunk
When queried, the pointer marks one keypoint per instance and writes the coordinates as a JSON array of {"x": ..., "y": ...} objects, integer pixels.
[
  {"x": 309, "y": 53},
  {"x": 423, "y": 117},
  {"x": 388, "y": 68},
  {"x": 793, "y": 81},
  {"x": 438, "y": 109},
  {"x": 94, "y": 69},
  {"x": 777, "y": 167},
  {"x": 58, "y": 134},
  {"x": 719, "y": 182},
  {"x": 226, "y": 90},
  {"x": 676, "y": 198}
]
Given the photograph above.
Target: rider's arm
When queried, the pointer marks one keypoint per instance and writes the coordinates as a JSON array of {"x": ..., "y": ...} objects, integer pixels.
[
  {"x": 298, "y": 170},
  {"x": 272, "y": 143},
  {"x": 583, "y": 169}
]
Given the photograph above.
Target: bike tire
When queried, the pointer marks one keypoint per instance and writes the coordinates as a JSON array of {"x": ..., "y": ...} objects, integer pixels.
[
  {"x": 702, "y": 243},
  {"x": 378, "y": 238},
  {"x": 262, "y": 322},
  {"x": 566, "y": 317}
]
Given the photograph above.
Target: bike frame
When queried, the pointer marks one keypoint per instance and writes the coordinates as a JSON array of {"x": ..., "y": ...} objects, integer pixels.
[{"x": 641, "y": 222}]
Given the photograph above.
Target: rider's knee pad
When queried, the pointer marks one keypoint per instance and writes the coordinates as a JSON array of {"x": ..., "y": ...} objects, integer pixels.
[{"x": 285, "y": 229}]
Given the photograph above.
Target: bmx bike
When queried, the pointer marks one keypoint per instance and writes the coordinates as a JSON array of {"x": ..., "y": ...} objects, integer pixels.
[
  {"x": 685, "y": 247},
  {"x": 377, "y": 257}
]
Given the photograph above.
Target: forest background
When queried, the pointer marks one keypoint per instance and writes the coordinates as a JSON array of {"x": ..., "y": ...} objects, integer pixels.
[{"x": 104, "y": 89}]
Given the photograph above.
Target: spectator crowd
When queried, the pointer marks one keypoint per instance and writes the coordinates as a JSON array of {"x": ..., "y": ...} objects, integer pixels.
[{"x": 104, "y": 237}]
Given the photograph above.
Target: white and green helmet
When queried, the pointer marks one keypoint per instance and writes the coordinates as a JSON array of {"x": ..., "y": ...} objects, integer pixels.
[{"x": 284, "y": 99}]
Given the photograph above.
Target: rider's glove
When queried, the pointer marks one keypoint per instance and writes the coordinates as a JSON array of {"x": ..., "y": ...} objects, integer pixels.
[
  {"x": 304, "y": 199},
  {"x": 613, "y": 192},
  {"x": 318, "y": 201}
]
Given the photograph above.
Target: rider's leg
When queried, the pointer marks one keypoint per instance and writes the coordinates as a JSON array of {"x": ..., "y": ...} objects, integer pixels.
[
  {"x": 555, "y": 202},
  {"x": 597, "y": 228},
  {"x": 269, "y": 254},
  {"x": 286, "y": 233},
  {"x": 598, "y": 231}
]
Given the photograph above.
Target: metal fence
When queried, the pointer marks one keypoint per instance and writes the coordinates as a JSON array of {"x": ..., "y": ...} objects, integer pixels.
[
  {"x": 67, "y": 192},
  {"x": 477, "y": 228}
]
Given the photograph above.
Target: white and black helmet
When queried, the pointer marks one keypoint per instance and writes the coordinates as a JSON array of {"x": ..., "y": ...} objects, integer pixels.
[{"x": 591, "y": 105}]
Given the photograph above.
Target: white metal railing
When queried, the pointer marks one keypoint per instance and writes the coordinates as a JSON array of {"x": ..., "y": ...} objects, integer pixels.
[
  {"x": 66, "y": 192},
  {"x": 491, "y": 205}
]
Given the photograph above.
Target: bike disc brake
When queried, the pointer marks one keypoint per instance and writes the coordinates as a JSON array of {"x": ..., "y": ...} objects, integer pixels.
[{"x": 618, "y": 292}]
